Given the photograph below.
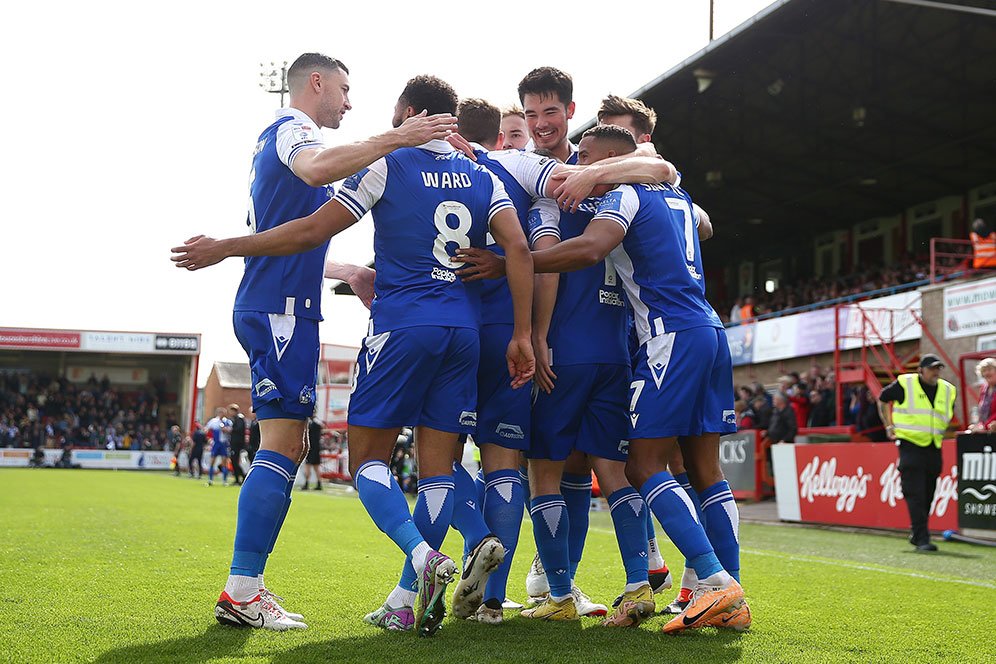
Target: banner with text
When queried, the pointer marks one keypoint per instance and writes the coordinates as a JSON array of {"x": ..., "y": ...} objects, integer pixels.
[{"x": 970, "y": 309}]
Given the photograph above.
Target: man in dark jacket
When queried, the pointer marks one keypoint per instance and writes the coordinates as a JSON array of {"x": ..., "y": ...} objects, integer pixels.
[
  {"x": 783, "y": 427},
  {"x": 238, "y": 441}
]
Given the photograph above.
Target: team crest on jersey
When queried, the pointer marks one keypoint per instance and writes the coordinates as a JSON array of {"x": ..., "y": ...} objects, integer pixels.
[{"x": 353, "y": 181}]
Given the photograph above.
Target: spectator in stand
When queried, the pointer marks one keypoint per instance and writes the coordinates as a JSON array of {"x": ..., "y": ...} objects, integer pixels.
[
  {"x": 820, "y": 412},
  {"x": 983, "y": 245},
  {"x": 986, "y": 370},
  {"x": 313, "y": 461},
  {"x": 745, "y": 416},
  {"x": 745, "y": 394},
  {"x": 747, "y": 310},
  {"x": 792, "y": 387},
  {"x": 762, "y": 412},
  {"x": 735, "y": 317},
  {"x": 783, "y": 427},
  {"x": 238, "y": 441}
]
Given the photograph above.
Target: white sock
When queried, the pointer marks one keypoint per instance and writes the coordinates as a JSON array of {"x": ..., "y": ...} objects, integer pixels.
[
  {"x": 242, "y": 588},
  {"x": 630, "y": 587},
  {"x": 720, "y": 578},
  {"x": 654, "y": 558},
  {"x": 400, "y": 597},
  {"x": 419, "y": 556},
  {"x": 262, "y": 586},
  {"x": 688, "y": 578},
  {"x": 559, "y": 598}
]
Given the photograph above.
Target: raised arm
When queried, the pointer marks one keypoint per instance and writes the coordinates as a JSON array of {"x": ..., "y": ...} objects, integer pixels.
[
  {"x": 293, "y": 237},
  {"x": 319, "y": 167}
]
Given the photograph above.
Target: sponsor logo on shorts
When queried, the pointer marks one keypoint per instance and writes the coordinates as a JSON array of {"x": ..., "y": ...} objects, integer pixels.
[
  {"x": 468, "y": 418},
  {"x": 440, "y": 274},
  {"x": 624, "y": 444},
  {"x": 611, "y": 298},
  {"x": 730, "y": 416},
  {"x": 307, "y": 394},
  {"x": 264, "y": 387},
  {"x": 510, "y": 431}
]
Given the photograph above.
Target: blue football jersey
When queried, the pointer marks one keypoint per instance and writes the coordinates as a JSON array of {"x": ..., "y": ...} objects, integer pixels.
[
  {"x": 426, "y": 202},
  {"x": 589, "y": 323},
  {"x": 659, "y": 260},
  {"x": 283, "y": 284},
  {"x": 524, "y": 176}
]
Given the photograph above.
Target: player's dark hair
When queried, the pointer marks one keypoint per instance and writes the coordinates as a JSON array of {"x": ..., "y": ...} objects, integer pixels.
[
  {"x": 307, "y": 63},
  {"x": 545, "y": 81},
  {"x": 980, "y": 227},
  {"x": 644, "y": 117},
  {"x": 430, "y": 94},
  {"x": 479, "y": 120},
  {"x": 620, "y": 138}
]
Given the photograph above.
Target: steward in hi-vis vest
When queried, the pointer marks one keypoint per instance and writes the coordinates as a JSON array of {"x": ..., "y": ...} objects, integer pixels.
[{"x": 916, "y": 410}]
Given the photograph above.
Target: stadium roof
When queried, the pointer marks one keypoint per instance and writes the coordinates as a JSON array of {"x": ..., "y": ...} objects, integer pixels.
[
  {"x": 816, "y": 115},
  {"x": 234, "y": 375}
]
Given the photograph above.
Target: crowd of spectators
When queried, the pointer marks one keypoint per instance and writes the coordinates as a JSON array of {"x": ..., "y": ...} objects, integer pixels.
[
  {"x": 814, "y": 290},
  {"x": 41, "y": 410},
  {"x": 805, "y": 401}
]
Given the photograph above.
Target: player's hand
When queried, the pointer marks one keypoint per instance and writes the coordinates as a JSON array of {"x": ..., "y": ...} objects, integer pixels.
[
  {"x": 480, "y": 264},
  {"x": 462, "y": 144},
  {"x": 423, "y": 128},
  {"x": 521, "y": 361},
  {"x": 890, "y": 431},
  {"x": 544, "y": 373},
  {"x": 361, "y": 280},
  {"x": 197, "y": 252},
  {"x": 575, "y": 186}
]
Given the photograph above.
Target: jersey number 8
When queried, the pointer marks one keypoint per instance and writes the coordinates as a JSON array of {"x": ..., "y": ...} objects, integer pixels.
[{"x": 447, "y": 234}]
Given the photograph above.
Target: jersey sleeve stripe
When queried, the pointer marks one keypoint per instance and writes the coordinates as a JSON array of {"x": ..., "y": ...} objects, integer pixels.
[
  {"x": 304, "y": 146},
  {"x": 544, "y": 178},
  {"x": 350, "y": 204},
  {"x": 543, "y": 232},
  {"x": 614, "y": 216},
  {"x": 499, "y": 205}
]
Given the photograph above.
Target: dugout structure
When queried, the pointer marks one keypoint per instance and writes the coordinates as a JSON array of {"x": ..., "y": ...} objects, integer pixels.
[{"x": 130, "y": 361}]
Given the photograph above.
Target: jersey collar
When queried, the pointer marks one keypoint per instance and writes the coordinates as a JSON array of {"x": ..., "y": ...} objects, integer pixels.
[{"x": 437, "y": 145}]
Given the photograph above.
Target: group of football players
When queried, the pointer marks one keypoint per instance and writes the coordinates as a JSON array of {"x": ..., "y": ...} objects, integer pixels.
[{"x": 544, "y": 298}]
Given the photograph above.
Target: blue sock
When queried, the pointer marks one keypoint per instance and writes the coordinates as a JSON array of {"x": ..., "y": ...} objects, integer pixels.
[
  {"x": 433, "y": 511},
  {"x": 224, "y": 472},
  {"x": 468, "y": 517},
  {"x": 280, "y": 521},
  {"x": 576, "y": 490},
  {"x": 261, "y": 506},
  {"x": 676, "y": 512},
  {"x": 479, "y": 485},
  {"x": 686, "y": 484},
  {"x": 629, "y": 520},
  {"x": 386, "y": 504},
  {"x": 211, "y": 473},
  {"x": 503, "y": 513},
  {"x": 723, "y": 525},
  {"x": 524, "y": 478},
  {"x": 551, "y": 524}
]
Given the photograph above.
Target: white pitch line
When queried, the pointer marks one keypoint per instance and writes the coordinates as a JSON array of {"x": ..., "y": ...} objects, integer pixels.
[
  {"x": 867, "y": 568},
  {"x": 842, "y": 563}
]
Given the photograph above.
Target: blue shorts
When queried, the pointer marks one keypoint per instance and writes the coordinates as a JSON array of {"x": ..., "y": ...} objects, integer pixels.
[
  {"x": 417, "y": 376},
  {"x": 586, "y": 412},
  {"x": 683, "y": 385},
  {"x": 219, "y": 449},
  {"x": 283, "y": 360},
  {"x": 502, "y": 413}
]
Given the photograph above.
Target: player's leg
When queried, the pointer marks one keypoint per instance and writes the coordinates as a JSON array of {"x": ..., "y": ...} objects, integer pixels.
[
  {"x": 676, "y": 466},
  {"x": 575, "y": 486},
  {"x": 550, "y": 527},
  {"x": 503, "y": 503},
  {"x": 668, "y": 393}
]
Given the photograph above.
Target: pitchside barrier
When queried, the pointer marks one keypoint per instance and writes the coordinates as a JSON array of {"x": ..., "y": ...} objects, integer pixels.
[
  {"x": 856, "y": 484},
  {"x": 88, "y": 458}
]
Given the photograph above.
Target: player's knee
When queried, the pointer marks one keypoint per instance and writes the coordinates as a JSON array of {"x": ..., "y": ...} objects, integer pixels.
[
  {"x": 703, "y": 478},
  {"x": 637, "y": 475}
]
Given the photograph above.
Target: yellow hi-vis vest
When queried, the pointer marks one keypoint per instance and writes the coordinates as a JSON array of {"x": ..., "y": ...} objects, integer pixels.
[{"x": 915, "y": 419}]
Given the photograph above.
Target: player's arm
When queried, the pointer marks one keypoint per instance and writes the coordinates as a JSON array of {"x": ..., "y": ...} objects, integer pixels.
[
  {"x": 704, "y": 223},
  {"x": 544, "y": 300},
  {"x": 507, "y": 232},
  {"x": 572, "y": 184},
  {"x": 359, "y": 277},
  {"x": 598, "y": 240},
  {"x": 321, "y": 166},
  {"x": 293, "y": 237}
]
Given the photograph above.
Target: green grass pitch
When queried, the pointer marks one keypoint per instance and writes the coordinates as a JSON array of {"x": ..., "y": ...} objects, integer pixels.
[{"x": 125, "y": 567}]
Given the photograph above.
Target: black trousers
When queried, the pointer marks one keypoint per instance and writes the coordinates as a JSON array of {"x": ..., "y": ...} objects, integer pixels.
[
  {"x": 919, "y": 468},
  {"x": 236, "y": 457}
]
